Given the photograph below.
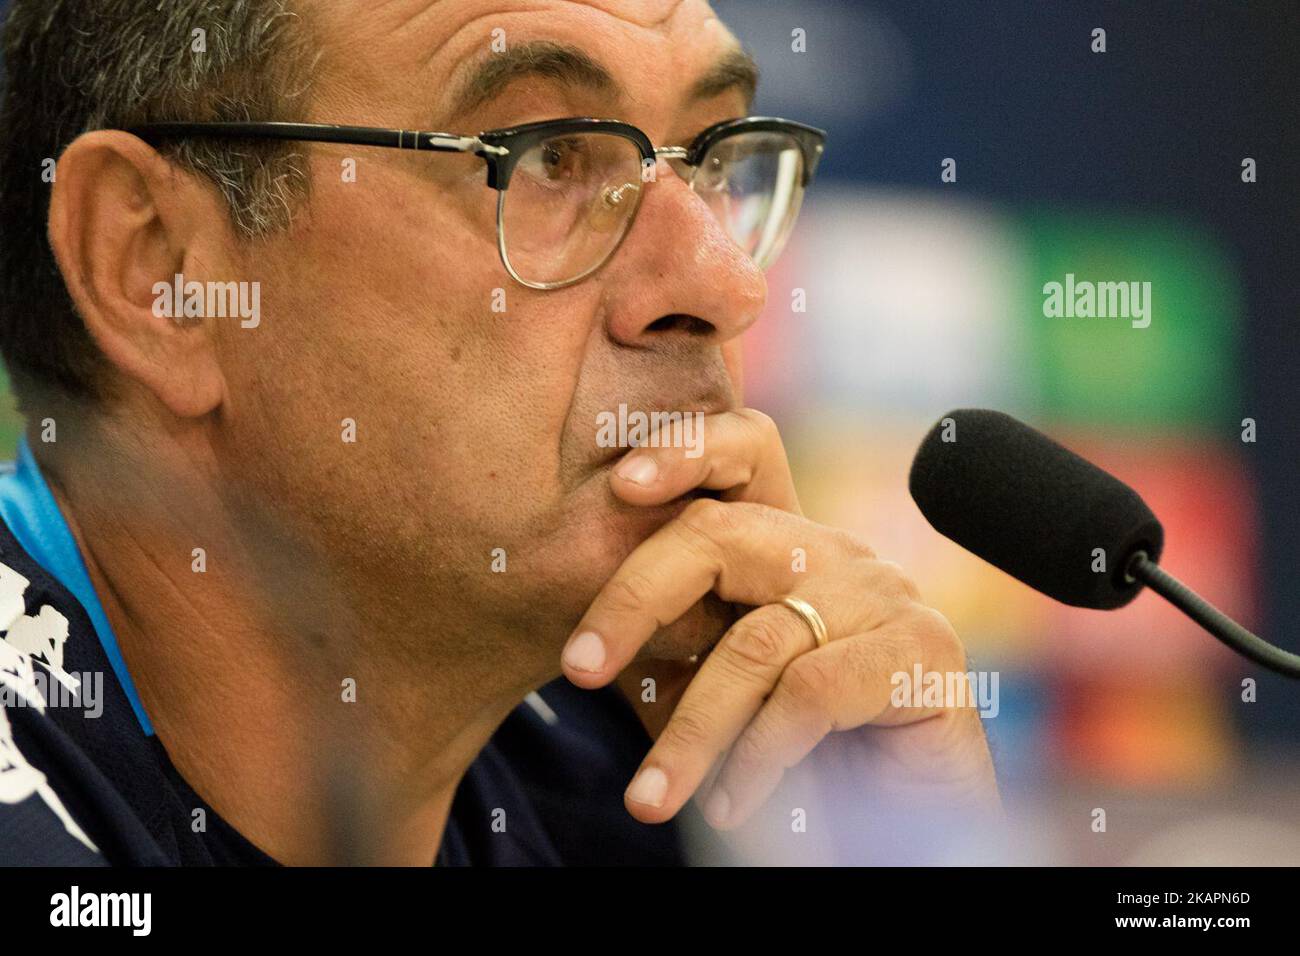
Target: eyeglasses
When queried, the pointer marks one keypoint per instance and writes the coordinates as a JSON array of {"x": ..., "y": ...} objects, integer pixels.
[{"x": 569, "y": 189}]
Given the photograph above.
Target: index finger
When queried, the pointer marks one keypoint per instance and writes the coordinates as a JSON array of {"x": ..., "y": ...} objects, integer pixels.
[
  {"x": 738, "y": 550},
  {"x": 738, "y": 452}
]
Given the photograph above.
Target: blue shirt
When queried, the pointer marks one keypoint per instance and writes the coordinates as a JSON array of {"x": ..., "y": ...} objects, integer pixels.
[{"x": 84, "y": 781}]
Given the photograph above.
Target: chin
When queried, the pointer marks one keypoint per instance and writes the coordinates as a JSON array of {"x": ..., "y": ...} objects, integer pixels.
[
  {"x": 582, "y": 552},
  {"x": 693, "y": 634}
]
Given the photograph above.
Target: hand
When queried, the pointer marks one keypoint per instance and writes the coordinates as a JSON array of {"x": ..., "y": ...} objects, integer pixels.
[{"x": 765, "y": 696}]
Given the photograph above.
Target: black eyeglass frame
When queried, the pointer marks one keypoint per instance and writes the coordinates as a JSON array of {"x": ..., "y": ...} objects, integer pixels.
[{"x": 501, "y": 149}]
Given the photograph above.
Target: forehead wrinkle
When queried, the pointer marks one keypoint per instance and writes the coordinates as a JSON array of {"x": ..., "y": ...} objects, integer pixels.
[
  {"x": 543, "y": 7},
  {"x": 448, "y": 25},
  {"x": 653, "y": 23},
  {"x": 412, "y": 18}
]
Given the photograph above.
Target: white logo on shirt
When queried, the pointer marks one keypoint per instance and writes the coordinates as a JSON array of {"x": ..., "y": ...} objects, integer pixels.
[{"x": 28, "y": 638}]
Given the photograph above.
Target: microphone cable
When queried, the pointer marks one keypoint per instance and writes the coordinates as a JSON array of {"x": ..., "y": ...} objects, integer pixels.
[{"x": 1142, "y": 568}]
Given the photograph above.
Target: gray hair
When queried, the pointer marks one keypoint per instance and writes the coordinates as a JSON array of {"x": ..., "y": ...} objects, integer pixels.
[{"x": 72, "y": 66}]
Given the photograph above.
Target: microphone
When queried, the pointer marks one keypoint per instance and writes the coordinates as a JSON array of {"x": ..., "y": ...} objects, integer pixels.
[{"x": 1056, "y": 522}]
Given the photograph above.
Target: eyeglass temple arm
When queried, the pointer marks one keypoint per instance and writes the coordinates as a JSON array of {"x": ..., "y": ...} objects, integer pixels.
[{"x": 324, "y": 133}]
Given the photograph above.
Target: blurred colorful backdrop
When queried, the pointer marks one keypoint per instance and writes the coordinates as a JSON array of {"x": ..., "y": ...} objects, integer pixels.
[{"x": 905, "y": 295}]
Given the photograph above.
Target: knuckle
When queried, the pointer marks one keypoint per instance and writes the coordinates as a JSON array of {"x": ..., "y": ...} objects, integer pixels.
[
  {"x": 688, "y": 729},
  {"x": 853, "y": 545},
  {"x": 939, "y": 639},
  {"x": 757, "y": 642},
  {"x": 810, "y": 678},
  {"x": 898, "y": 584},
  {"x": 702, "y": 511},
  {"x": 869, "y": 661},
  {"x": 705, "y": 518},
  {"x": 762, "y": 424},
  {"x": 628, "y": 593}
]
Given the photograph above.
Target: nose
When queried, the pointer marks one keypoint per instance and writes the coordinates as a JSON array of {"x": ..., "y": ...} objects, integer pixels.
[{"x": 679, "y": 273}]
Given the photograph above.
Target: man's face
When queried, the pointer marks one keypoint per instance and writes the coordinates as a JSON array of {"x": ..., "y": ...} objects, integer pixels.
[{"x": 476, "y": 428}]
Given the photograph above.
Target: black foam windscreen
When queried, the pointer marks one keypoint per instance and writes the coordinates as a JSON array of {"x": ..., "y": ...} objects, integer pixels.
[{"x": 1032, "y": 507}]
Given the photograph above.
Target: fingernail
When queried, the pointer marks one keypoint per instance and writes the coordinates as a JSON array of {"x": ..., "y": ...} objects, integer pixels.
[
  {"x": 718, "y": 807},
  {"x": 650, "y": 787},
  {"x": 586, "y": 652},
  {"x": 638, "y": 469}
]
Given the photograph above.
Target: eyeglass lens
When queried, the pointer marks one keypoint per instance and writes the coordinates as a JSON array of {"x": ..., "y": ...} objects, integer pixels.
[{"x": 572, "y": 198}]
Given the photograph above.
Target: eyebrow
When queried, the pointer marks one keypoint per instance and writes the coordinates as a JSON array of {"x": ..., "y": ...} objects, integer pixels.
[{"x": 736, "y": 70}]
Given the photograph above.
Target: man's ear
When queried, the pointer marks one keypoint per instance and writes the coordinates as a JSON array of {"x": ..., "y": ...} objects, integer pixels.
[{"x": 123, "y": 220}]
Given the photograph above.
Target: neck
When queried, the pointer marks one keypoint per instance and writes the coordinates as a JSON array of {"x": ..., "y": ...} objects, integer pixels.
[{"x": 325, "y": 727}]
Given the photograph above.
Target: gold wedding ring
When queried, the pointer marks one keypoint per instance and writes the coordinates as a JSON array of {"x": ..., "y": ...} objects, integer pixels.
[{"x": 810, "y": 617}]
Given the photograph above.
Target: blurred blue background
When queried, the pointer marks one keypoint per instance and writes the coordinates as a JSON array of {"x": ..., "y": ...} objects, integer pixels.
[{"x": 924, "y": 295}]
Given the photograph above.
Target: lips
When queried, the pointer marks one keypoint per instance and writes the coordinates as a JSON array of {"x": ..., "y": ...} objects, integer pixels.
[
  {"x": 625, "y": 413},
  {"x": 611, "y": 456}
]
